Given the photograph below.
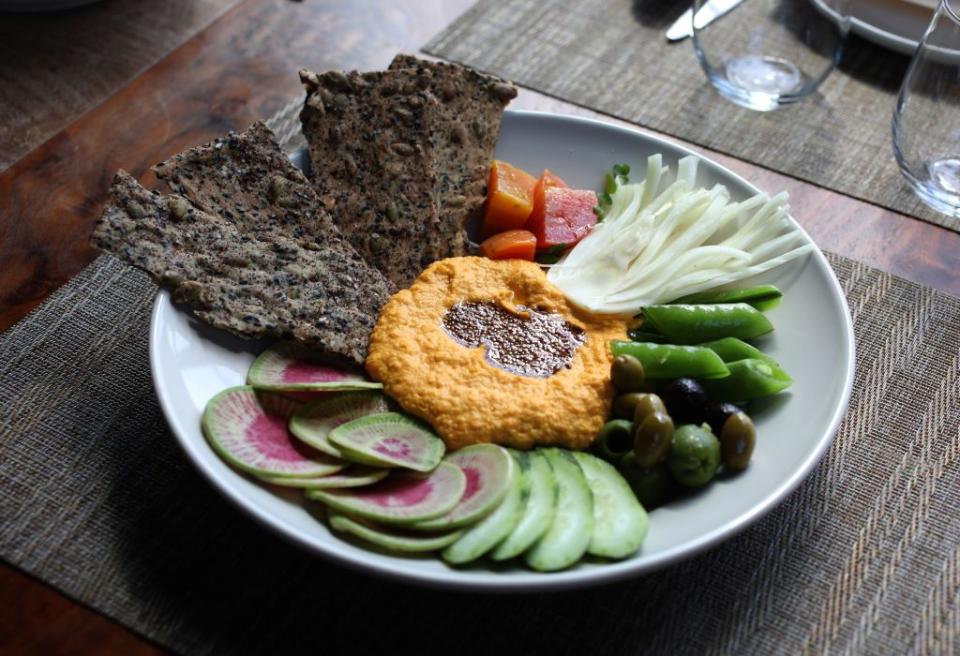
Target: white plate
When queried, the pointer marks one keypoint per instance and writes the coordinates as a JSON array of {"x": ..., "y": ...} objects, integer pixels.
[
  {"x": 813, "y": 339},
  {"x": 895, "y": 24}
]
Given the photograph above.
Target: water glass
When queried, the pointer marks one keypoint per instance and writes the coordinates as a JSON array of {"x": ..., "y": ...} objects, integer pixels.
[
  {"x": 926, "y": 123},
  {"x": 768, "y": 53}
]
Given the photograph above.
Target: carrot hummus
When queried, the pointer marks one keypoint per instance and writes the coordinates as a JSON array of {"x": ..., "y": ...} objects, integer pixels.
[{"x": 489, "y": 351}]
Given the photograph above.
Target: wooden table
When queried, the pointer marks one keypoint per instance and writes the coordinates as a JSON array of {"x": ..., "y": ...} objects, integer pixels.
[{"x": 123, "y": 85}]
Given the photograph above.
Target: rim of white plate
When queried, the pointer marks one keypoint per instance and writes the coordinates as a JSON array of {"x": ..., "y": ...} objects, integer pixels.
[{"x": 523, "y": 582}]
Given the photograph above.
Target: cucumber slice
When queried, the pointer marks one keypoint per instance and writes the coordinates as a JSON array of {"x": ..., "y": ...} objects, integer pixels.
[
  {"x": 540, "y": 505},
  {"x": 389, "y": 439},
  {"x": 569, "y": 535},
  {"x": 403, "y": 497},
  {"x": 391, "y": 540},
  {"x": 353, "y": 476},
  {"x": 248, "y": 429},
  {"x": 287, "y": 367},
  {"x": 492, "y": 529},
  {"x": 313, "y": 422},
  {"x": 619, "y": 521},
  {"x": 489, "y": 470}
]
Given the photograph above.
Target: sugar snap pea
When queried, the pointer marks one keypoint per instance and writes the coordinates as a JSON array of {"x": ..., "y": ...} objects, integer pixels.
[
  {"x": 669, "y": 361},
  {"x": 644, "y": 334},
  {"x": 748, "y": 380},
  {"x": 731, "y": 349},
  {"x": 762, "y": 297},
  {"x": 693, "y": 324}
]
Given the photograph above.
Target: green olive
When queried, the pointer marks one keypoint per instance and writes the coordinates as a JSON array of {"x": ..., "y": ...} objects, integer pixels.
[
  {"x": 737, "y": 439},
  {"x": 614, "y": 439},
  {"x": 653, "y": 486},
  {"x": 694, "y": 455},
  {"x": 651, "y": 439},
  {"x": 627, "y": 375},
  {"x": 625, "y": 405},
  {"x": 646, "y": 405}
]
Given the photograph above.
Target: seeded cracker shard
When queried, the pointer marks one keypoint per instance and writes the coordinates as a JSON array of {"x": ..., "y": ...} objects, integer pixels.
[
  {"x": 254, "y": 285},
  {"x": 247, "y": 179},
  {"x": 373, "y": 165},
  {"x": 463, "y": 135}
]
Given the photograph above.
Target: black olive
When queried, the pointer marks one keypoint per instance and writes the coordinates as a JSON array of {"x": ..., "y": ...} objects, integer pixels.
[
  {"x": 716, "y": 414},
  {"x": 685, "y": 400}
]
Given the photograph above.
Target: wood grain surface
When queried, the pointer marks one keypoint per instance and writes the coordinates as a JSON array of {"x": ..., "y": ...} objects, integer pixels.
[
  {"x": 38, "y": 620},
  {"x": 240, "y": 68},
  {"x": 55, "y": 66}
]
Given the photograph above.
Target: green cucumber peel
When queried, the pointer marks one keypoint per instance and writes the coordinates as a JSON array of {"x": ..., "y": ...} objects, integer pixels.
[
  {"x": 619, "y": 521},
  {"x": 568, "y": 537},
  {"x": 539, "y": 508}
]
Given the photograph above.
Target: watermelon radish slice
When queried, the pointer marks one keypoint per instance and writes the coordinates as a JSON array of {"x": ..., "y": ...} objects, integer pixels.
[
  {"x": 403, "y": 497},
  {"x": 403, "y": 542},
  {"x": 248, "y": 429},
  {"x": 286, "y": 367},
  {"x": 353, "y": 476},
  {"x": 313, "y": 422},
  {"x": 305, "y": 397},
  {"x": 495, "y": 527},
  {"x": 388, "y": 439},
  {"x": 490, "y": 471}
]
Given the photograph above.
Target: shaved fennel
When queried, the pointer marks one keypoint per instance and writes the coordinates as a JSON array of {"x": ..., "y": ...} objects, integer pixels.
[{"x": 654, "y": 246}]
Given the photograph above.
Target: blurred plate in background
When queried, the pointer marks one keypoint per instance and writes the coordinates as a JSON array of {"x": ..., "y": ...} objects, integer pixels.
[{"x": 895, "y": 24}]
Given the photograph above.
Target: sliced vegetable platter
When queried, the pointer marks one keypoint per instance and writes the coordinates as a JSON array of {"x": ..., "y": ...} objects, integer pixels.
[{"x": 813, "y": 340}]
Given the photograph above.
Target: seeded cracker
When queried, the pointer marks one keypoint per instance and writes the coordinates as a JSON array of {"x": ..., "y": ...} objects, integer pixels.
[
  {"x": 252, "y": 284},
  {"x": 464, "y": 136},
  {"x": 373, "y": 165},
  {"x": 247, "y": 179}
]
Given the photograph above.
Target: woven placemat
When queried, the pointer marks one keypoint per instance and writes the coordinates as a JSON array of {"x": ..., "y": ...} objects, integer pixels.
[
  {"x": 611, "y": 56},
  {"x": 97, "y": 499}
]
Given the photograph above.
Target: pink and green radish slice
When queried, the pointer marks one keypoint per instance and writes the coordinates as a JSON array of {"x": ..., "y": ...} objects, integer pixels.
[
  {"x": 403, "y": 497},
  {"x": 483, "y": 536},
  {"x": 286, "y": 367},
  {"x": 490, "y": 471},
  {"x": 353, "y": 476},
  {"x": 248, "y": 429},
  {"x": 403, "y": 542},
  {"x": 388, "y": 439},
  {"x": 313, "y": 422}
]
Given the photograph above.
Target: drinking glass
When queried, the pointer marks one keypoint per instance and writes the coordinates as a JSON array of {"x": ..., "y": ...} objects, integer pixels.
[
  {"x": 768, "y": 53},
  {"x": 926, "y": 123}
]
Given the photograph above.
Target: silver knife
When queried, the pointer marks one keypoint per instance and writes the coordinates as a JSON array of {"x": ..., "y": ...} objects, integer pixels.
[{"x": 714, "y": 9}]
